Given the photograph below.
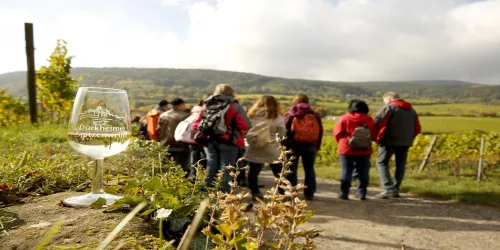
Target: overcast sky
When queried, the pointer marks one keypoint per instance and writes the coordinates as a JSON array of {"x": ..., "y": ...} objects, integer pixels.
[{"x": 344, "y": 40}]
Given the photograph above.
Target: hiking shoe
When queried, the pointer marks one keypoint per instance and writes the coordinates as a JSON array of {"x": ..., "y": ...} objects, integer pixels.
[
  {"x": 309, "y": 198},
  {"x": 383, "y": 195},
  {"x": 343, "y": 197},
  {"x": 255, "y": 196},
  {"x": 396, "y": 195},
  {"x": 361, "y": 197}
]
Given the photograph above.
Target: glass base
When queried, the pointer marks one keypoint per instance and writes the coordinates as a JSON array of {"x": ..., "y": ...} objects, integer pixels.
[{"x": 87, "y": 199}]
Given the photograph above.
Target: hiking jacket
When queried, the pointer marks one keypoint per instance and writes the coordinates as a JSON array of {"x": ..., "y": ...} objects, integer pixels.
[
  {"x": 301, "y": 110},
  {"x": 269, "y": 153},
  {"x": 236, "y": 119},
  {"x": 397, "y": 124},
  {"x": 344, "y": 130},
  {"x": 152, "y": 120},
  {"x": 166, "y": 129}
]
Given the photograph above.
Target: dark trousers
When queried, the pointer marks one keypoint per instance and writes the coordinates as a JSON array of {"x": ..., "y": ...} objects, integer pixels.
[
  {"x": 384, "y": 155},
  {"x": 253, "y": 175},
  {"x": 241, "y": 179},
  {"x": 181, "y": 158},
  {"x": 308, "y": 155},
  {"x": 349, "y": 163}
]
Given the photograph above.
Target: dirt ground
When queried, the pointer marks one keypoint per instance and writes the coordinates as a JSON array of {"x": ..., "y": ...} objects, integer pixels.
[
  {"x": 81, "y": 229},
  {"x": 416, "y": 222}
]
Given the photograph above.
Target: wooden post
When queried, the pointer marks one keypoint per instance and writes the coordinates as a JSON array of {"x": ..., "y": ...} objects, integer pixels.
[
  {"x": 31, "y": 80},
  {"x": 428, "y": 154},
  {"x": 480, "y": 167}
]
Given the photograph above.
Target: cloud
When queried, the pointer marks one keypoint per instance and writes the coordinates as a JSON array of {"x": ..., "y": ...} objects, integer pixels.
[
  {"x": 177, "y": 3},
  {"x": 344, "y": 40},
  {"x": 12, "y": 56},
  {"x": 351, "y": 40}
]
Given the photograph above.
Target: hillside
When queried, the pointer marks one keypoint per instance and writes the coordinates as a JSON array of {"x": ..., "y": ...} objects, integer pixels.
[{"x": 146, "y": 84}]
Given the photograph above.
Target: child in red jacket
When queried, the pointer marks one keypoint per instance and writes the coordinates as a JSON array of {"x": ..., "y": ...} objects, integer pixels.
[{"x": 354, "y": 133}]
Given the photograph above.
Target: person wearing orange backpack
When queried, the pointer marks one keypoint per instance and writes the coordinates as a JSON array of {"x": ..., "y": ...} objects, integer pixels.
[
  {"x": 304, "y": 136},
  {"x": 152, "y": 119}
]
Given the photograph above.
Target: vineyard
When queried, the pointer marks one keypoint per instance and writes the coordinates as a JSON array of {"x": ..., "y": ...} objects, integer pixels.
[{"x": 453, "y": 153}]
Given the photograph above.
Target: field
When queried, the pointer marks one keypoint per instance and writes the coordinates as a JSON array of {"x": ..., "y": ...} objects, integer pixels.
[
  {"x": 335, "y": 106},
  {"x": 446, "y": 124},
  {"x": 436, "y": 109}
]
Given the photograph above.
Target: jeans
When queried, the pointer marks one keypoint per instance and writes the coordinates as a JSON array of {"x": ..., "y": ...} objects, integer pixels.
[
  {"x": 220, "y": 155},
  {"x": 253, "y": 176},
  {"x": 349, "y": 163},
  {"x": 197, "y": 155},
  {"x": 384, "y": 155},
  {"x": 308, "y": 155}
]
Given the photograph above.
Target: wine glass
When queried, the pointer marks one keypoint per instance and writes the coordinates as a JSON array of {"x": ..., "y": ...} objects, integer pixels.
[{"x": 99, "y": 127}]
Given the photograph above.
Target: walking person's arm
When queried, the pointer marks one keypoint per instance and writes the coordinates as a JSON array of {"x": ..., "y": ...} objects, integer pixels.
[
  {"x": 243, "y": 114},
  {"x": 373, "y": 128},
  {"x": 339, "y": 130},
  {"x": 162, "y": 129},
  {"x": 417, "y": 129},
  {"x": 381, "y": 120},
  {"x": 320, "y": 139},
  {"x": 241, "y": 123},
  {"x": 281, "y": 130}
]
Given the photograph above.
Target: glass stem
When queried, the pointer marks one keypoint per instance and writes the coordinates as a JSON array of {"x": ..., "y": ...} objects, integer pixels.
[{"x": 97, "y": 177}]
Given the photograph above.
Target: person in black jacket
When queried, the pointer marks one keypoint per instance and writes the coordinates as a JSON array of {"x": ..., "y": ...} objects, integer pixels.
[{"x": 397, "y": 125}]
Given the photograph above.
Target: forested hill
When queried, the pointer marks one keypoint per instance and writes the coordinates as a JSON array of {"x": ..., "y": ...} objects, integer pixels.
[{"x": 145, "y": 83}]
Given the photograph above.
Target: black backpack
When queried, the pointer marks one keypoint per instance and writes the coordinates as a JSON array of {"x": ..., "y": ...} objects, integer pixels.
[{"x": 213, "y": 122}]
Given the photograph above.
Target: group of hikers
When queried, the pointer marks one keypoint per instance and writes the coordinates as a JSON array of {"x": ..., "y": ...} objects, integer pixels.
[{"x": 218, "y": 131}]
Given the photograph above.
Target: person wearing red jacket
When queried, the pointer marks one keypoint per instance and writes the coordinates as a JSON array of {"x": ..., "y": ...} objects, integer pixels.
[
  {"x": 354, "y": 159},
  {"x": 223, "y": 150},
  {"x": 398, "y": 125}
]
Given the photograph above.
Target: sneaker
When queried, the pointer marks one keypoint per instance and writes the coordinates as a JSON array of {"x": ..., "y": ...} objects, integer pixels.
[
  {"x": 396, "y": 195},
  {"x": 383, "y": 195}
]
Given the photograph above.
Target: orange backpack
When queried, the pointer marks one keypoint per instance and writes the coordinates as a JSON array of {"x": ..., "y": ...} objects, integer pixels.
[
  {"x": 306, "y": 129},
  {"x": 152, "y": 118}
]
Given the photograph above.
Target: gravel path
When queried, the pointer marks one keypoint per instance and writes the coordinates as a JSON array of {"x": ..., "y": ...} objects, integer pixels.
[{"x": 416, "y": 222}]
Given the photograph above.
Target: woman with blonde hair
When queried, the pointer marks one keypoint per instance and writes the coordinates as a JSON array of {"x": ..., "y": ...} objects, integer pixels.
[
  {"x": 221, "y": 127},
  {"x": 266, "y": 118}
]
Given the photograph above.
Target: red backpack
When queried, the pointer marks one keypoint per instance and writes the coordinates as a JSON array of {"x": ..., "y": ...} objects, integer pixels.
[{"x": 306, "y": 129}]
